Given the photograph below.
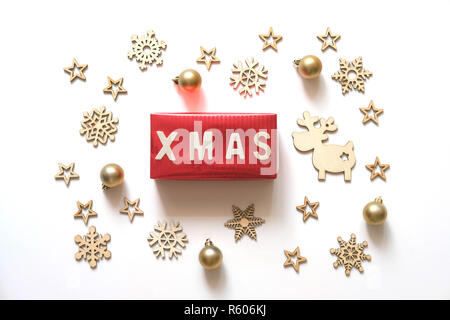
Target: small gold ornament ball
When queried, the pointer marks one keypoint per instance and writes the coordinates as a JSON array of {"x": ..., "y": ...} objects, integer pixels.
[
  {"x": 309, "y": 67},
  {"x": 189, "y": 80},
  {"x": 111, "y": 175},
  {"x": 210, "y": 256},
  {"x": 375, "y": 212}
]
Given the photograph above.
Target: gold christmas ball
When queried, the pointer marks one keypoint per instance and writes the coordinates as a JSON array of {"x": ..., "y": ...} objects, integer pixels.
[
  {"x": 111, "y": 175},
  {"x": 210, "y": 256},
  {"x": 309, "y": 67},
  {"x": 189, "y": 80},
  {"x": 375, "y": 212}
]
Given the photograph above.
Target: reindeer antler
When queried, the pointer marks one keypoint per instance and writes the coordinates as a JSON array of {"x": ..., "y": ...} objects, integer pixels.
[
  {"x": 307, "y": 121},
  {"x": 328, "y": 125}
]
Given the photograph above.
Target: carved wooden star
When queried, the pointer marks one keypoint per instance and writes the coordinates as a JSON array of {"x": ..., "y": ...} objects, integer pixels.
[
  {"x": 61, "y": 174},
  {"x": 208, "y": 57},
  {"x": 80, "y": 214},
  {"x": 110, "y": 88},
  {"x": 244, "y": 222},
  {"x": 296, "y": 254},
  {"x": 76, "y": 66},
  {"x": 367, "y": 111},
  {"x": 134, "y": 204},
  {"x": 373, "y": 168},
  {"x": 304, "y": 208},
  {"x": 266, "y": 38},
  {"x": 324, "y": 38}
]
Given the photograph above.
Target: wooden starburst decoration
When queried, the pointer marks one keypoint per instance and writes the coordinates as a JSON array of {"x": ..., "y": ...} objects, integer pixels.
[
  {"x": 115, "y": 87},
  {"x": 369, "y": 111},
  {"x": 270, "y": 40},
  {"x": 244, "y": 222},
  {"x": 298, "y": 258},
  {"x": 373, "y": 168},
  {"x": 351, "y": 75},
  {"x": 62, "y": 173},
  {"x": 304, "y": 209},
  {"x": 88, "y": 207},
  {"x": 324, "y": 38},
  {"x": 76, "y": 67},
  {"x": 134, "y": 206},
  {"x": 208, "y": 57},
  {"x": 350, "y": 254}
]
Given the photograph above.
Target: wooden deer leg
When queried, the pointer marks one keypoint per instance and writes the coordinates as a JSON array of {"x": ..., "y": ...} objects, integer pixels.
[
  {"x": 322, "y": 174},
  {"x": 348, "y": 174}
]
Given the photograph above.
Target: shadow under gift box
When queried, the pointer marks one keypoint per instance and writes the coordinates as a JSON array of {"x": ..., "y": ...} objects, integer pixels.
[{"x": 213, "y": 146}]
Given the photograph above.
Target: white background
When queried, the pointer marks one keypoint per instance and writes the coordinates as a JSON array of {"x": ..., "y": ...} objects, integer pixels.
[{"x": 404, "y": 43}]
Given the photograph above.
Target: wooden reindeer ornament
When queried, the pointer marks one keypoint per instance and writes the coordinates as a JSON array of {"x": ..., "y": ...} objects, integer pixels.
[{"x": 326, "y": 158}]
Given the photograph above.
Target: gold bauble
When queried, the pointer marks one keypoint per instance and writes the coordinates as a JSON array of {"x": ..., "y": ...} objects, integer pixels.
[
  {"x": 189, "y": 80},
  {"x": 309, "y": 67},
  {"x": 111, "y": 175},
  {"x": 210, "y": 256},
  {"x": 375, "y": 212}
]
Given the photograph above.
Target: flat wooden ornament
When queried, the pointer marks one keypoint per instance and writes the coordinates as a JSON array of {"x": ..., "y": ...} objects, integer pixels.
[{"x": 326, "y": 157}]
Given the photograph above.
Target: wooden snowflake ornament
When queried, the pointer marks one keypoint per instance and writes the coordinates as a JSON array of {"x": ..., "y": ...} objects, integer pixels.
[
  {"x": 350, "y": 254},
  {"x": 351, "y": 75},
  {"x": 167, "y": 239},
  {"x": 147, "y": 50},
  {"x": 326, "y": 158},
  {"x": 248, "y": 77},
  {"x": 99, "y": 126},
  {"x": 244, "y": 222},
  {"x": 92, "y": 247},
  {"x": 62, "y": 173}
]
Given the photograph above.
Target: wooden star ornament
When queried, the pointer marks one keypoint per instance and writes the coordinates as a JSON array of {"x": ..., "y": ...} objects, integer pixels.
[
  {"x": 111, "y": 88},
  {"x": 135, "y": 206},
  {"x": 244, "y": 222},
  {"x": 88, "y": 207},
  {"x": 270, "y": 40},
  {"x": 208, "y": 57},
  {"x": 62, "y": 173},
  {"x": 373, "y": 168},
  {"x": 324, "y": 38},
  {"x": 304, "y": 209},
  {"x": 294, "y": 254},
  {"x": 74, "y": 67},
  {"x": 371, "y": 113}
]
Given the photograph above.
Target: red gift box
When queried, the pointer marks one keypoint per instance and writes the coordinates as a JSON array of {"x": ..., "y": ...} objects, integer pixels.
[{"x": 213, "y": 146}]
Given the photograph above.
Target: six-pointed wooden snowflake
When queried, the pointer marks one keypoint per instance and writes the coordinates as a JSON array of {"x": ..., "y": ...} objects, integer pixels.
[
  {"x": 167, "y": 239},
  {"x": 147, "y": 49},
  {"x": 99, "y": 126},
  {"x": 351, "y": 75},
  {"x": 350, "y": 254},
  {"x": 244, "y": 222},
  {"x": 248, "y": 76},
  {"x": 92, "y": 247}
]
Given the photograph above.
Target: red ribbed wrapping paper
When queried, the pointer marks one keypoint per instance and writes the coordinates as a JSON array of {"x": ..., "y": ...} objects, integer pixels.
[{"x": 177, "y": 140}]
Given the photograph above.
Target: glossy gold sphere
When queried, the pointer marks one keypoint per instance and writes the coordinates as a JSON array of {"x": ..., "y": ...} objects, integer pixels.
[
  {"x": 309, "y": 67},
  {"x": 112, "y": 175},
  {"x": 375, "y": 213},
  {"x": 210, "y": 256},
  {"x": 189, "y": 80}
]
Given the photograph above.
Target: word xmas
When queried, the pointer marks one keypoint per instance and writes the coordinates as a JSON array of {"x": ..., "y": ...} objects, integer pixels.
[{"x": 239, "y": 146}]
